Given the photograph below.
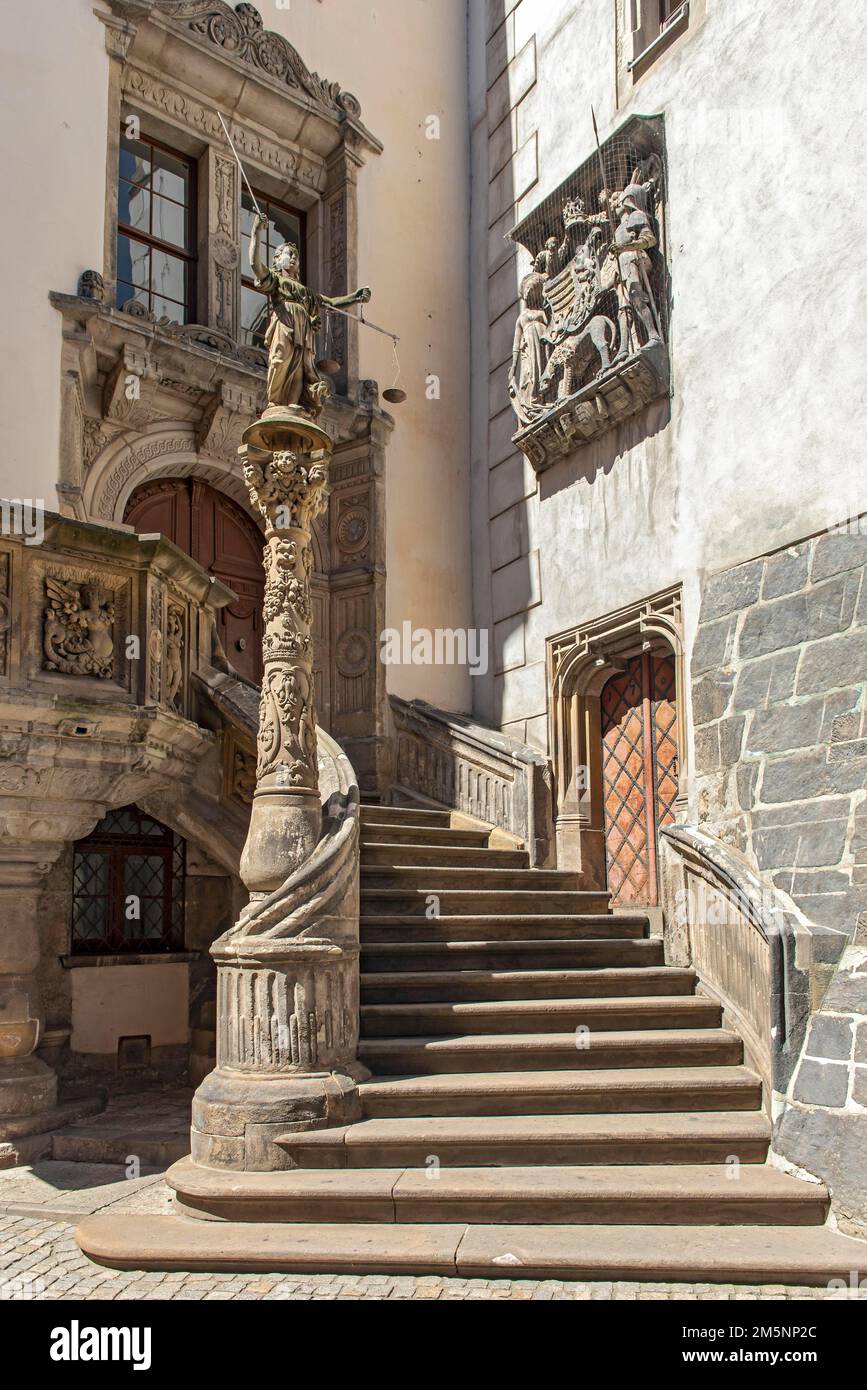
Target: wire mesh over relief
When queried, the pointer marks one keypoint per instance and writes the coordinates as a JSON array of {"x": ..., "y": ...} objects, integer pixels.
[{"x": 594, "y": 296}]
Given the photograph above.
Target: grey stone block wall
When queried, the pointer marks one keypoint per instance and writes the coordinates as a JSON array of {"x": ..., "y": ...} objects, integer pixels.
[
  {"x": 823, "y": 1127},
  {"x": 779, "y": 674},
  {"x": 779, "y": 705}
]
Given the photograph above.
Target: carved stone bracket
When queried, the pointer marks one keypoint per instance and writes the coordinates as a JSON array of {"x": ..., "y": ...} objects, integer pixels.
[
  {"x": 225, "y": 418},
  {"x": 604, "y": 402}
]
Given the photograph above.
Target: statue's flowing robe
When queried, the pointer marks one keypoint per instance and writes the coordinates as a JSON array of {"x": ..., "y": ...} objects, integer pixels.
[
  {"x": 291, "y": 340},
  {"x": 528, "y": 363}
]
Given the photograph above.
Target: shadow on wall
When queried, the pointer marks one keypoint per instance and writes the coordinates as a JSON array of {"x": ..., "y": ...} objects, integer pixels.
[{"x": 601, "y": 455}]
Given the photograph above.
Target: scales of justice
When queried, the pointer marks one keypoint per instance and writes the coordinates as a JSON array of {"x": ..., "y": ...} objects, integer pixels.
[{"x": 285, "y": 455}]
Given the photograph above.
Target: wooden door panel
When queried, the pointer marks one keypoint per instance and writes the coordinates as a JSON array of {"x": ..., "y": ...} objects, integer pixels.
[
  {"x": 224, "y": 541},
  {"x": 639, "y": 773}
]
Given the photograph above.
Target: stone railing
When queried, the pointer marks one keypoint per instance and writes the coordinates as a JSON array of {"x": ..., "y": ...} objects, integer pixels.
[
  {"x": 449, "y": 760},
  {"x": 747, "y": 946}
]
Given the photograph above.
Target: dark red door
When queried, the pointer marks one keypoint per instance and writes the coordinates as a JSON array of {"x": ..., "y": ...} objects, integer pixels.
[
  {"x": 639, "y": 772},
  {"x": 223, "y": 540}
]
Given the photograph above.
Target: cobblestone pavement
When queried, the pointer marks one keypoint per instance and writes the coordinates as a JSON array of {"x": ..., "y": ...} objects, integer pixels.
[
  {"x": 40, "y": 1205},
  {"x": 39, "y": 1259}
]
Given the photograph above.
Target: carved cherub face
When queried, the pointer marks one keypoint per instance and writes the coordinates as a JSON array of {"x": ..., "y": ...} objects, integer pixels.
[{"x": 287, "y": 259}]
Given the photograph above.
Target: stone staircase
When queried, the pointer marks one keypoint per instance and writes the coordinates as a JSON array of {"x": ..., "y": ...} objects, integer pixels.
[{"x": 547, "y": 1099}]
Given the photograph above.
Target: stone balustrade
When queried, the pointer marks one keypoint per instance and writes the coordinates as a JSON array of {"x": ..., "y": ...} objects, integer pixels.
[{"x": 450, "y": 760}]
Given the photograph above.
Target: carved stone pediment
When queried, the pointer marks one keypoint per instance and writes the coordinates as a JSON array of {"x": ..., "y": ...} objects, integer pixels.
[
  {"x": 207, "y": 37},
  {"x": 590, "y": 339},
  {"x": 240, "y": 32}
]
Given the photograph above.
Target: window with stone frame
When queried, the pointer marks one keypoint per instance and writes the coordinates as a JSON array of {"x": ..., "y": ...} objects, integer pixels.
[
  {"x": 284, "y": 224},
  {"x": 653, "y": 23},
  {"x": 156, "y": 232},
  {"x": 128, "y": 887}
]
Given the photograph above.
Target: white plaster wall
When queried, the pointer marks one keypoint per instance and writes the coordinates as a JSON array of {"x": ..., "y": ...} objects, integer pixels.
[
  {"x": 763, "y": 105},
  {"x": 130, "y": 1001},
  {"x": 405, "y": 60},
  {"x": 53, "y": 112}
]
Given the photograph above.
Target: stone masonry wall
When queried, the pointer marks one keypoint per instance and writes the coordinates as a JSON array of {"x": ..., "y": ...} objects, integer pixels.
[{"x": 779, "y": 675}]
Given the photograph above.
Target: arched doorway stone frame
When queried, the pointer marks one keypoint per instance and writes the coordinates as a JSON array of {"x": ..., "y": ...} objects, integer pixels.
[{"x": 580, "y": 662}]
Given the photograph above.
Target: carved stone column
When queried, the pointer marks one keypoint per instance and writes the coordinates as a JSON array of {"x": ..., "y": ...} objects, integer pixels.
[
  {"x": 28, "y": 1087},
  {"x": 288, "y": 488},
  {"x": 287, "y": 972}
]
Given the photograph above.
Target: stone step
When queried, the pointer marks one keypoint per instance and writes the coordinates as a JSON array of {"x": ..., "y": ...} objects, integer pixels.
[
  {"x": 423, "y": 956},
  {"x": 434, "y": 878},
  {"x": 404, "y": 815},
  {"x": 395, "y": 858},
  {"x": 378, "y": 899},
  {"x": 538, "y": 1016},
  {"x": 562, "y": 1092},
  {"x": 586, "y": 926},
  {"x": 445, "y": 986},
  {"x": 381, "y": 833},
  {"x": 648, "y": 1194},
  {"x": 679, "y": 1047},
  {"x": 712, "y": 1254},
  {"x": 546, "y": 1140},
  {"x": 155, "y": 1130}
]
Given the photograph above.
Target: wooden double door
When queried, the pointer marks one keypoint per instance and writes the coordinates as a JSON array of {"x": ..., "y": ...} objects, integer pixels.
[
  {"x": 225, "y": 541},
  {"x": 639, "y": 772}
]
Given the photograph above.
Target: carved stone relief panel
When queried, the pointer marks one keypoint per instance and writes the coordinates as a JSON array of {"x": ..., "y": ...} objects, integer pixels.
[
  {"x": 79, "y": 620},
  {"x": 154, "y": 656},
  {"x": 5, "y": 609},
  {"x": 239, "y": 770},
  {"x": 78, "y": 627},
  {"x": 589, "y": 346},
  {"x": 175, "y": 646},
  {"x": 353, "y": 657},
  {"x": 223, "y": 243},
  {"x": 350, "y": 521}
]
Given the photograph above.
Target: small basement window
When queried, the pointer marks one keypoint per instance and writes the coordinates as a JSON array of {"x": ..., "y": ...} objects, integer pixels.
[{"x": 128, "y": 887}]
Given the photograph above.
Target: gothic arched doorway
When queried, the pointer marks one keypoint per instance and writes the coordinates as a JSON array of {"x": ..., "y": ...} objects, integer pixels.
[
  {"x": 639, "y": 771},
  {"x": 225, "y": 541}
]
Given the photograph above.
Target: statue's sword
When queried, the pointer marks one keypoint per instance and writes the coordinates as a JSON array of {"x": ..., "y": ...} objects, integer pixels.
[
  {"x": 356, "y": 318},
  {"x": 240, "y": 165},
  {"x": 607, "y": 198}
]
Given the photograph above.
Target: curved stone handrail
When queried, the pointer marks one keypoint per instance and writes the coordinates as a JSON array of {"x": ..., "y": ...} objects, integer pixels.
[
  {"x": 746, "y": 943},
  {"x": 318, "y": 890}
]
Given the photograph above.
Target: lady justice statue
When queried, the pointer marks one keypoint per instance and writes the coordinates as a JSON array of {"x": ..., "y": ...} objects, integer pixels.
[{"x": 294, "y": 384}]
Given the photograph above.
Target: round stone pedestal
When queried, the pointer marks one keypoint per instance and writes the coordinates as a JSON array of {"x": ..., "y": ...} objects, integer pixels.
[
  {"x": 27, "y": 1087},
  {"x": 238, "y": 1118}
]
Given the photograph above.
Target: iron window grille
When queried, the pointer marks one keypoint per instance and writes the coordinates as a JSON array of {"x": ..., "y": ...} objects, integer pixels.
[{"x": 128, "y": 887}]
